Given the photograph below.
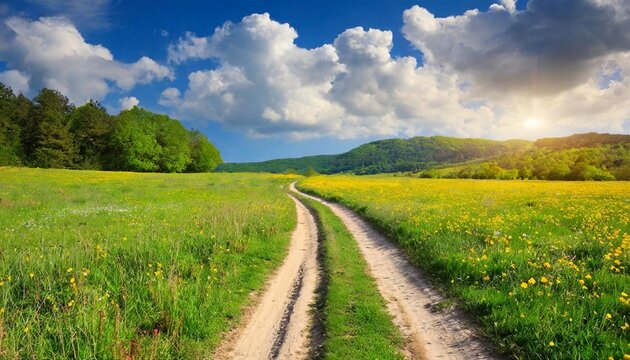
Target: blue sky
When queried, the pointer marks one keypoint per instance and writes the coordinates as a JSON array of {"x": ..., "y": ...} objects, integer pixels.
[{"x": 478, "y": 79}]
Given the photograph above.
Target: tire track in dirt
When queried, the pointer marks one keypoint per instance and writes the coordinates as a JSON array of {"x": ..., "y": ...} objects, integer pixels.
[
  {"x": 430, "y": 334},
  {"x": 278, "y": 326}
]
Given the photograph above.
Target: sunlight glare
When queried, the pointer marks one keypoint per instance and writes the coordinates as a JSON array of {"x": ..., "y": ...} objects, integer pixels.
[{"x": 531, "y": 123}]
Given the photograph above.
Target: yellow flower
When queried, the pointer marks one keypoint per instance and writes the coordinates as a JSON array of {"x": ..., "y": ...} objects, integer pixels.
[
  {"x": 608, "y": 316},
  {"x": 544, "y": 280},
  {"x": 581, "y": 282},
  {"x": 552, "y": 344},
  {"x": 31, "y": 275},
  {"x": 71, "y": 280},
  {"x": 547, "y": 265},
  {"x": 486, "y": 278},
  {"x": 626, "y": 357},
  {"x": 531, "y": 281},
  {"x": 624, "y": 327},
  {"x": 522, "y": 315},
  {"x": 70, "y": 270},
  {"x": 524, "y": 285},
  {"x": 588, "y": 276},
  {"x": 624, "y": 294}
]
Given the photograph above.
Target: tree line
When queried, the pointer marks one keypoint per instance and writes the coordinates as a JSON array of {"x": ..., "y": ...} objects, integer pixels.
[
  {"x": 598, "y": 162},
  {"x": 50, "y": 132}
]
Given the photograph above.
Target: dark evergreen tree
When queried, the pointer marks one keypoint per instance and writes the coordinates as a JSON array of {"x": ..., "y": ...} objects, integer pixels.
[
  {"x": 55, "y": 146},
  {"x": 91, "y": 127},
  {"x": 28, "y": 128},
  {"x": 10, "y": 145}
]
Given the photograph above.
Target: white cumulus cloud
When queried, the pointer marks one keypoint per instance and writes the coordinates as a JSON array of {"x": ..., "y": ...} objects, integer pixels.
[
  {"x": 51, "y": 52},
  {"x": 128, "y": 102},
  {"x": 484, "y": 73},
  {"x": 15, "y": 80}
]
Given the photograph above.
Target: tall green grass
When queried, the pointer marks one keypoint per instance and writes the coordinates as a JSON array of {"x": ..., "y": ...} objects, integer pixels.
[{"x": 102, "y": 265}]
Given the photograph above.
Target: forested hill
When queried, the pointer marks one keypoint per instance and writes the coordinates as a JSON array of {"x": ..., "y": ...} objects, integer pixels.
[
  {"x": 391, "y": 155},
  {"x": 581, "y": 141},
  {"x": 589, "y": 156}
]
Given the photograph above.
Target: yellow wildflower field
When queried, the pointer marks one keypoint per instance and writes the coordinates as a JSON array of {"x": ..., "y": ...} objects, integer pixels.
[{"x": 543, "y": 266}]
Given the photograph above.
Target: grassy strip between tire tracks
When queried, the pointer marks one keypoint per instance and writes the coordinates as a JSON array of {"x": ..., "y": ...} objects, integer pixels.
[{"x": 356, "y": 323}]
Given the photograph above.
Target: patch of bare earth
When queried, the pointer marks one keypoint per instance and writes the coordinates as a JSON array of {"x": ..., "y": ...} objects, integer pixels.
[
  {"x": 431, "y": 332},
  {"x": 277, "y": 326}
]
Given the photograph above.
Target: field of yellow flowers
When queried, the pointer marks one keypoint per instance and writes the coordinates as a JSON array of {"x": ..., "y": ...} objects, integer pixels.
[
  {"x": 103, "y": 265},
  {"x": 542, "y": 266}
]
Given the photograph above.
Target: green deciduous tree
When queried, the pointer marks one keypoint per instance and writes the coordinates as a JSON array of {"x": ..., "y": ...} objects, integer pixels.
[
  {"x": 134, "y": 145},
  {"x": 204, "y": 156},
  {"x": 174, "y": 144}
]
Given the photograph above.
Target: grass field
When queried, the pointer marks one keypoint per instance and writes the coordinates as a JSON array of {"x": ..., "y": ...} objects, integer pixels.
[
  {"x": 356, "y": 323},
  {"x": 98, "y": 265},
  {"x": 543, "y": 266}
]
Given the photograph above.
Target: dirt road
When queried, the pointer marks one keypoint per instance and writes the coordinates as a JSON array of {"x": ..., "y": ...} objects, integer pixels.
[
  {"x": 430, "y": 334},
  {"x": 278, "y": 326}
]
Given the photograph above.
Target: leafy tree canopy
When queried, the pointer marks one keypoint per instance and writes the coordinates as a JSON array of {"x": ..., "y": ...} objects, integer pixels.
[{"x": 51, "y": 132}]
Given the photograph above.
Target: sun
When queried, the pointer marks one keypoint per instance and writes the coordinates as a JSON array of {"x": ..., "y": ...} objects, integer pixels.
[{"x": 531, "y": 123}]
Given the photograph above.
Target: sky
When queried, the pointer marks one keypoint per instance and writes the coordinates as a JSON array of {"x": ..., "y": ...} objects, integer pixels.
[{"x": 269, "y": 79}]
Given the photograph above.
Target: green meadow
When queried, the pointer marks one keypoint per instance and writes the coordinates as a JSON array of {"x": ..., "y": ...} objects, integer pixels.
[{"x": 106, "y": 265}]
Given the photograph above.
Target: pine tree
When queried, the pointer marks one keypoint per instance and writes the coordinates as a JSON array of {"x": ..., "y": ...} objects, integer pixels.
[
  {"x": 55, "y": 146},
  {"x": 91, "y": 127},
  {"x": 10, "y": 146},
  {"x": 28, "y": 129}
]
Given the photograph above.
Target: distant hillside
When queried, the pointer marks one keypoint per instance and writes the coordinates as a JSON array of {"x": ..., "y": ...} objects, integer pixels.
[
  {"x": 417, "y": 153},
  {"x": 321, "y": 163},
  {"x": 581, "y": 140},
  {"x": 391, "y": 155},
  {"x": 589, "y": 156}
]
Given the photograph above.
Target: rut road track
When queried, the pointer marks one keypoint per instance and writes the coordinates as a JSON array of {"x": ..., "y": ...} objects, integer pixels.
[
  {"x": 278, "y": 325},
  {"x": 413, "y": 303}
]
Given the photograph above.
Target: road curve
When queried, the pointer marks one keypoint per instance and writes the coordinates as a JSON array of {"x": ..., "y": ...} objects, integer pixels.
[
  {"x": 410, "y": 299},
  {"x": 278, "y": 326}
]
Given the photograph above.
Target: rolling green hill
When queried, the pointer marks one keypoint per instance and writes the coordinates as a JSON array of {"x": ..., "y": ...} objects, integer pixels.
[
  {"x": 321, "y": 163},
  {"x": 589, "y": 156},
  {"x": 391, "y": 155}
]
